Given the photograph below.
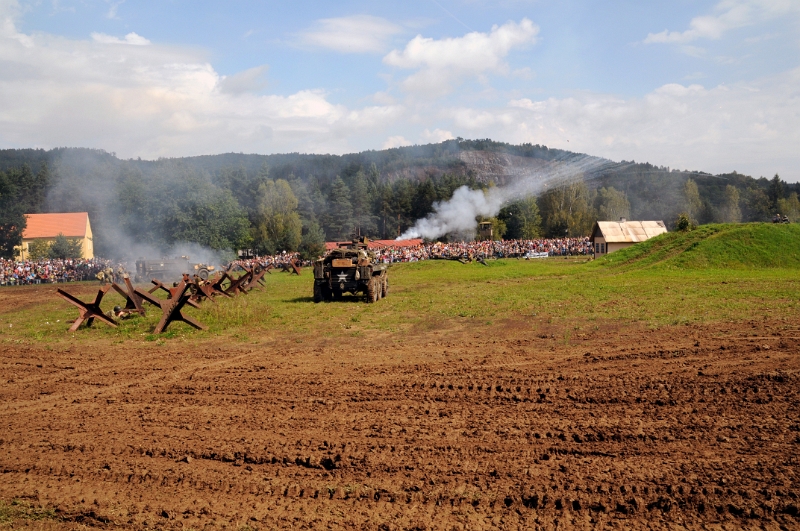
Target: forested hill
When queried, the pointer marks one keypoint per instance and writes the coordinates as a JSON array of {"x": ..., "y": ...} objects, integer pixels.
[{"x": 295, "y": 201}]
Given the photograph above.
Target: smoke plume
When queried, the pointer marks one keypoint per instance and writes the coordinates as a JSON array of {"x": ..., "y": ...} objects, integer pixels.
[{"x": 458, "y": 214}]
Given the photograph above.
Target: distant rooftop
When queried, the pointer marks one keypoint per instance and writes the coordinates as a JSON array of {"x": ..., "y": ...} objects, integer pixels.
[
  {"x": 624, "y": 231},
  {"x": 70, "y": 224}
]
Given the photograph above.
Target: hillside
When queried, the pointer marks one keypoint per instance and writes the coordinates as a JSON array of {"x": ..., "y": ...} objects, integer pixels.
[
  {"x": 217, "y": 200},
  {"x": 717, "y": 246}
]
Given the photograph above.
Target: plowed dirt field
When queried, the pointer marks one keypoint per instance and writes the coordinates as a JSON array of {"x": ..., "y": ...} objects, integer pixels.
[{"x": 514, "y": 426}]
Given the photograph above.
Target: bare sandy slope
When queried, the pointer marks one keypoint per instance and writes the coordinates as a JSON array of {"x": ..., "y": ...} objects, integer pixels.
[{"x": 520, "y": 427}]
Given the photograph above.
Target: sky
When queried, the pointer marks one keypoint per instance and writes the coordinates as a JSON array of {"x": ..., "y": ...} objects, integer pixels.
[{"x": 689, "y": 84}]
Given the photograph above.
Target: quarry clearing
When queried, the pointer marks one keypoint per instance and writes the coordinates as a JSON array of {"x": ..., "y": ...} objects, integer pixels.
[{"x": 565, "y": 413}]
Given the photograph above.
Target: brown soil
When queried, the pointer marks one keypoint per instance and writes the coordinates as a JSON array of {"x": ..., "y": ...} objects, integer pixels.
[{"x": 513, "y": 428}]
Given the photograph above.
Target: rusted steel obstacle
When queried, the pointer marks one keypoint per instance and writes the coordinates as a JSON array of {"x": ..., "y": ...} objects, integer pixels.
[
  {"x": 172, "y": 306},
  {"x": 202, "y": 290},
  {"x": 158, "y": 285},
  {"x": 292, "y": 266},
  {"x": 255, "y": 279},
  {"x": 189, "y": 291},
  {"x": 133, "y": 302},
  {"x": 89, "y": 311}
]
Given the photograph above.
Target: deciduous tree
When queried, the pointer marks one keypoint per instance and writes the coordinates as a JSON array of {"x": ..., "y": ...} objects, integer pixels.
[{"x": 278, "y": 225}]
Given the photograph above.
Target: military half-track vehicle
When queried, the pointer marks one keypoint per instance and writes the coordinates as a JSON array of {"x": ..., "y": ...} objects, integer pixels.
[
  {"x": 350, "y": 269},
  {"x": 170, "y": 269}
]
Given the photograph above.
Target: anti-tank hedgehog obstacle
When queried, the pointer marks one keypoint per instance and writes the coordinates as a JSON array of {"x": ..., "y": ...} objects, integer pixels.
[{"x": 189, "y": 291}]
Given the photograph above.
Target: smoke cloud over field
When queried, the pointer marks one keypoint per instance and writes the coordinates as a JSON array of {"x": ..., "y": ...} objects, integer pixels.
[
  {"x": 458, "y": 214},
  {"x": 163, "y": 209}
]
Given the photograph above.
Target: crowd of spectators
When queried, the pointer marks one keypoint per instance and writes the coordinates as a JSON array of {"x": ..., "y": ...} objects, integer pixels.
[
  {"x": 278, "y": 261},
  {"x": 18, "y": 273},
  {"x": 486, "y": 249},
  {"x": 438, "y": 250}
]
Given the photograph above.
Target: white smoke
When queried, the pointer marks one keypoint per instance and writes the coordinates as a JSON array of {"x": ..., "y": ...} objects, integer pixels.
[{"x": 458, "y": 214}]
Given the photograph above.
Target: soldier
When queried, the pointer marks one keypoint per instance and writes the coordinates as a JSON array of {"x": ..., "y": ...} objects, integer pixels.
[
  {"x": 108, "y": 273},
  {"x": 121, "y": 313},
  {"x": 120, "y": 273},
  {"x": 101, "y": 276}
]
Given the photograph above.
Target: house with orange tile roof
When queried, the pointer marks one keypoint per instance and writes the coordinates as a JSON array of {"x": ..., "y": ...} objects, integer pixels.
[{"x": 73, "y": 225}]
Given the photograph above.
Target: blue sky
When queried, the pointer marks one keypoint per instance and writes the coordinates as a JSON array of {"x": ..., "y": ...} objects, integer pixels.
[{"x": 701, "y": 85}]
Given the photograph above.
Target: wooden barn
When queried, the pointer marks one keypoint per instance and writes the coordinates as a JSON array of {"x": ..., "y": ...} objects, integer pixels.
[
  {"x": 73, "y": 225},
  {"x": 610, "y": 236}
]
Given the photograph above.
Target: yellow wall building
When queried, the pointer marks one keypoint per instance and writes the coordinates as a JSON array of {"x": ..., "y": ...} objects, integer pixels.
[{"x": 73, "y": 225}]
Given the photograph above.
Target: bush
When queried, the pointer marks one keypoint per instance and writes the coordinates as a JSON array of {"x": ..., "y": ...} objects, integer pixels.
[{"x": 683, "y": 223}]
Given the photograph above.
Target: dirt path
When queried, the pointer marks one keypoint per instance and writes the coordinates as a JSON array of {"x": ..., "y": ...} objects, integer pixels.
[{"x": 517, "y": 428}]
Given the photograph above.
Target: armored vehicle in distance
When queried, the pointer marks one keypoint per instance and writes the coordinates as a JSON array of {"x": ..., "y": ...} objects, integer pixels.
[
  {"x": 350, "y": 269},
  {"x": 170, "y": 269}
]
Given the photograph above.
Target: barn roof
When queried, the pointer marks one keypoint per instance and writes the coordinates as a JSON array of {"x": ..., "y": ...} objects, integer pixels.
[
  {"x": 70, "y": 224},
  {"x": 627, "y": 231}
]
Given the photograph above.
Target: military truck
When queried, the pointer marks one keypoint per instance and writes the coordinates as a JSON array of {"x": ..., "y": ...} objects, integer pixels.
[
  {"x": 351, "y": 268},
  {"x": 170, "y": 269}
]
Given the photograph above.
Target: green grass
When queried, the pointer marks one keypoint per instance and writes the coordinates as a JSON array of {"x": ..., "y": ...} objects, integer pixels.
[
  {"x": 718, "y": 272},
  {"x": 734, "y": 245}
]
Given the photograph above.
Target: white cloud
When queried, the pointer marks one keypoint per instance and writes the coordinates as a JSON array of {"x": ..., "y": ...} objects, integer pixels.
[
  {"x": 395, "y": 141},
  {"x": 436, "y": 136},
  {"x": 748, "y": 127},
  {"x": 130, "y": 38},
  {"x": 250, "y": 80},
  {"x": 157, "y": 100},
  {"x": 729, "y": 14},
  {"x": 353, "y": 34},
  {"x": 113, "y": 8},
  {"x": 440, "y": 64}
]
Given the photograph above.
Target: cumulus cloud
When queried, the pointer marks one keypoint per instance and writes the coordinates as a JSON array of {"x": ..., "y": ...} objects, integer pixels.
[
  {"x": 748, "y": 127},
  {"x": 158, "y": 100},
  {"x": 394, "y": 142},
  {"x": 130, "y": 38},
  {"x": 729, "y": 14},
  {"x": 436, "y": 136},
  {"x": 442, "y": 63},
  {"x": 250, "y": 80},
  {"x": 353, "y": 34},
  {"x": 155, "y": 100}
]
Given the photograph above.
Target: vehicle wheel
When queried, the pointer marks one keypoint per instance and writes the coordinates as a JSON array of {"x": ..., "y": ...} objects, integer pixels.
[
  {"x": 372, "y": 290},
  {"x": 203, "y": 274},
  {"x": 385, "y": 285},
  {"x": 318, "y": 296}
]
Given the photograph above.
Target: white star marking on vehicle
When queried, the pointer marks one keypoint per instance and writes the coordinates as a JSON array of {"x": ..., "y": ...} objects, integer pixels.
[{"x": 342, "y": 277}]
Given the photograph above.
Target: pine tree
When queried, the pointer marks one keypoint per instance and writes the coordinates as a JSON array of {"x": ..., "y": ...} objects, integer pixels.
[
  {"x": 340, "y": 215},
  {"x": 312, "y": 244},
  {"x": 12, "y": 216}
]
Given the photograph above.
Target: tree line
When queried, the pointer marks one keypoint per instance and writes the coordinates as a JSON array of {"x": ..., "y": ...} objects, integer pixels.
[{"x": 296, "y": 202}]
